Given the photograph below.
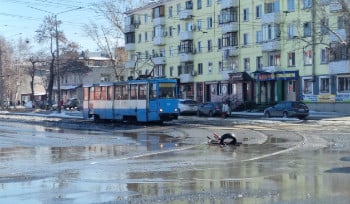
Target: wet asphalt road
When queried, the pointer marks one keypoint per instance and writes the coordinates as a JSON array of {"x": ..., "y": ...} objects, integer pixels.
[{"x": 280, "y": 161}]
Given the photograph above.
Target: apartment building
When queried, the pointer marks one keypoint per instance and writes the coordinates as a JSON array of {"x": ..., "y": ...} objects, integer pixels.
[{"x": 263, "y": 51}]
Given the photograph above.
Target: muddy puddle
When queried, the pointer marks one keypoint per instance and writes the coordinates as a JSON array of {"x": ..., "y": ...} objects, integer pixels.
[{"x": 52, "y": 165}]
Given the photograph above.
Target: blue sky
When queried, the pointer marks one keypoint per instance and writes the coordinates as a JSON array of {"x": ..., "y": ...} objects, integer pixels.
[{"x": 20, "y": 18}]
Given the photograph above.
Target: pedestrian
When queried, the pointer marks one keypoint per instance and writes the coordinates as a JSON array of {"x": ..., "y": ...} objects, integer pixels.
[{"x": 225, "y": 110}]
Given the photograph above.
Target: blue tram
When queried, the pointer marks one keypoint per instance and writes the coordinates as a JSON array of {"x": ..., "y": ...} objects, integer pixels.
[{"x": 139, "y": 100}]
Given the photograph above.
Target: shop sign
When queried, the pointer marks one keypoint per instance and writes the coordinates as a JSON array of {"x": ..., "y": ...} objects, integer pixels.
[
  {"x": 326, "y": 98},
  {"x": 286, "y": 75}
]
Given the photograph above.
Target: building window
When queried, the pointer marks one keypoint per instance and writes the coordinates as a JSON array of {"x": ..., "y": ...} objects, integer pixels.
[
  {"x": 245, "y": 39},
  {"x": 273, "y": 7},
  {"x": 258, "y": 11},
  {"x": 307, "y": 86},
  {"x": 259, "y": 63},
  {"x": 209, "y": 22},
  {"x": 246, "y": 64},
  {"x": 200, "y": 68},
  {"x": 199, "y": 24},
  {"x": 221, "y": 68},
  {"x": 324, "y": 55},
  {"x": 210, "y": 46},
  {"x": 292, "y": 31},
  {"x": 209, "y": 3},
  {"x": 344, "y": 84},
  {"x": 140, "y": 37},
  {"x": 178, "y": 29},
  {"x": 229, "y": 39},
  {"x": 290, "y": 5},
  {"x": 170, "y": 11},
  {"x": 307, "y": 29},
  {"x": 324, "y": 26},
  {"x": 199, "y": 46},
  {"x": 219, "y": 43},
  {"x": 274, "y": 59},
  {"x": 188, "y": 5},
  {"x": 324, "y": 85},
  {"x": 158, "y": 12},
  {"x": 246, "y": 14},
  {"x": 171, "y": 28},
  {"x": 308, "y": 57},
  {"x": 178, "y": 9},
  {"x": 171, "y": 51},
  {"x": 210, "y": 67},
  {"x": 341, "y": 22},
  {"x": 146, "y": 36},
  {"x": 171, "y": 71},
  {"x": 291, "y": 59},
  {"x": 307, "y": 3},
  {"x": 199, "y": 4},
  {"x": 259, "y": 37}
]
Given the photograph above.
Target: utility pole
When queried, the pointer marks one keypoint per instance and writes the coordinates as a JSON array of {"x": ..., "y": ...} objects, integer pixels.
[
  {"x": 58, "y": 69},
  {"x": 313, "y": 36},
  {"x": 1, "y": 81}
]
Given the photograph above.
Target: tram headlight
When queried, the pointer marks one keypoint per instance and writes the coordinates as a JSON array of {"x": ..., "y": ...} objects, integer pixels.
[
  {"x": 161, "y": 110},
  {"x": 176, "y": 110}
]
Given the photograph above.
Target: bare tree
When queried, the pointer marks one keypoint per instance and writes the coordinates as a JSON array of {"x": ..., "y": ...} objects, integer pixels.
[
  {"x": 109, "y": 38},
  {"x": 47, "y": 32}
]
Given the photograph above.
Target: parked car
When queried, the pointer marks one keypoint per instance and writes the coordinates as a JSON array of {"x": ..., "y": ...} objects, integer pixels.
[
  {"x": 187, "y": 106},
  {"x": 72, "y": 103},
  {"x": 288, "y": 109},
  {"x": 210, "y": 109}
]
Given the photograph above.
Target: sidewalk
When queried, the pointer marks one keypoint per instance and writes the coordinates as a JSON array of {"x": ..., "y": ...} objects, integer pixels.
[{"x": 312, "y": 114}]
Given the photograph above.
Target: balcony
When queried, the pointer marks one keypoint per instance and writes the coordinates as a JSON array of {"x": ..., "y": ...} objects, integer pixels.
[
  {"x": 186, "y": 14},
  {"x": 271, "y": 69},
  {"x": 339, "y": 67},
  {"x": 334, "y": 7},
  {"x": 229, "y": 3},
  {"x": 229, "y": 27},
  {"x": 159, "y": 60},
  {"x": 159, "y": 21},
  {"x": 272, "y": 45},
  {"x": 130, "y": 46},
  {"x": 186, "y": 57},
  {"x": 271, "y": 18},
  {"x": 225, "y": 74},
  {"x": 130, "y": 64},
  {"x": 230, "y": 51},
  {"x": 186, "y": 35},
  {"x": 186, "y": 78},
  {"x": 159, "y": 40}
]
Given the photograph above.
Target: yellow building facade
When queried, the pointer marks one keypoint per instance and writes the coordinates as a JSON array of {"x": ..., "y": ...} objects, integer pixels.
[{"x": 243, "y": 51}]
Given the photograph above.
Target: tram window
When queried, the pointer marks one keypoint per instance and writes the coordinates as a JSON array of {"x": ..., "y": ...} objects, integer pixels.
[
  {"x": 97, "y": 93},
  {"x": 118, "y": 92},
  {"x": 92, "y": 93},
  {"x": 152, "y": 91},
  {"x": 167, "y": 90},
  {"x": 125, "y": 92},
  {"x": 86, "y": 94},
  {"x": 142, "y": 91},
  {"x": 110, "y": 93},
  {"x": 104, "y": 93},
  {"x": 133, "y": 91}
]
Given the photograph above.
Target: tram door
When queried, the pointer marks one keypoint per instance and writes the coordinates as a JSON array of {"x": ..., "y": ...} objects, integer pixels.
[{"x": 152, "y": 105}]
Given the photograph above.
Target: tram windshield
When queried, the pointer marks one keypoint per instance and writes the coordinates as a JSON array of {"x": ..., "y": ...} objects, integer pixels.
[{"x": 167, "y": 90}]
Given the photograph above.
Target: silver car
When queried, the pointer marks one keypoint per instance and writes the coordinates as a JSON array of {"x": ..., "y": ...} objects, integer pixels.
[
  {"x": 187, "y": 106},
  {"x": 288, "y": 109}
]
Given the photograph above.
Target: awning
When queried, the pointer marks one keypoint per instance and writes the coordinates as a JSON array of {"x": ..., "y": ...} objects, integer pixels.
[
  {"x": 239, "y": 76},
  {"x": 66, "y": 87}
]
